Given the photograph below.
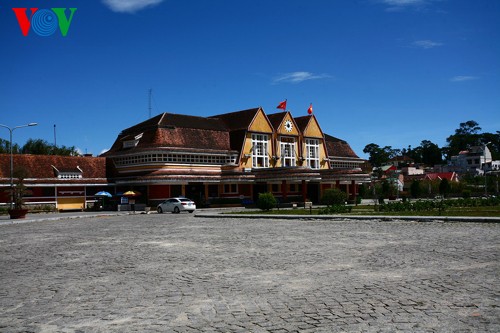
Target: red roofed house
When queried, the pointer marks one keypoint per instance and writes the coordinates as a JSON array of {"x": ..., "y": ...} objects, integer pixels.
[
  {"x": 67, "y": 182},
  {"x": 451, "y": 176}
]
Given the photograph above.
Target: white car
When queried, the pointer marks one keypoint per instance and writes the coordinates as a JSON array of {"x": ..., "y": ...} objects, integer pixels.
[{"x": 176, "y": 205}]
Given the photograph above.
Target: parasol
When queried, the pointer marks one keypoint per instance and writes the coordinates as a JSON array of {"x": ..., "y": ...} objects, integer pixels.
[
  {"x": 131, "y": 194},
  {"x": 103, "y": 194}
]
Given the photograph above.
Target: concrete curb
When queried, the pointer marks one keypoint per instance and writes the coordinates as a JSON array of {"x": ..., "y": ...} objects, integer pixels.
[
  {"x": 357, "y": 217},
  {"x": 54, "y": 217}
]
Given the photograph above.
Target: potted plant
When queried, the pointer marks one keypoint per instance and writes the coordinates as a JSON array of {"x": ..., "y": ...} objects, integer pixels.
[{"x": 18, "y": 191}]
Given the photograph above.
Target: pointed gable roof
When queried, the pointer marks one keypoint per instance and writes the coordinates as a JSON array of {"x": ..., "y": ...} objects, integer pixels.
[
  {"x": 277, "y": 118},
  {"x": 302, "y": 122},
  {"x": 309, "y": 126},
  {"x": 451, "y": 176}
]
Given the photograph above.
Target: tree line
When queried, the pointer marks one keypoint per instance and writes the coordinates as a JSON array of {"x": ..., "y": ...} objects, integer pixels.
[
  {"x": 37, "y": 147},
  {"x": 467, "y": 135}
]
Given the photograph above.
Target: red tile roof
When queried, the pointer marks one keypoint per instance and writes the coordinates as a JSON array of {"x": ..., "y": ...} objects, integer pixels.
[
  {"x": 42, "y": 166},
  {"x": 170, "y": 130},
  {"x": 239, "y": 120},
  {"x": 451, "y": 176},
  {"x": 339, "y": 148}
]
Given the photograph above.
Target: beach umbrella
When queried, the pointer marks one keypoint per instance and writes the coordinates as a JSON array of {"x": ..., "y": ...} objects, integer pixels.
[
  {"x": 103, "y": 194},
  {"x": 131, "y": 194}
]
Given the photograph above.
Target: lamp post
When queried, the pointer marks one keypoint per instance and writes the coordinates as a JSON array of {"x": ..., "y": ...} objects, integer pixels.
[{"x": 12, "y": 160}]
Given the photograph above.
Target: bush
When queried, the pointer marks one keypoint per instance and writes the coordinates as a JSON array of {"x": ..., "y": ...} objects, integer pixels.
[
  {"x": 466, "y": 194},
  {"x": 333, "y": 196},
  {"x": 335, "y": 209},
  {"x": 266, "y": 201}
]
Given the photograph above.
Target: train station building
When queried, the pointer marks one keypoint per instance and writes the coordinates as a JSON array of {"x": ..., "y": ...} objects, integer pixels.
[{"x": 230, "y": 157}]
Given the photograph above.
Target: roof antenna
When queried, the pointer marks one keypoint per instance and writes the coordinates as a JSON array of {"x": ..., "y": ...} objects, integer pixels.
[{"x": 149, "y": 105}]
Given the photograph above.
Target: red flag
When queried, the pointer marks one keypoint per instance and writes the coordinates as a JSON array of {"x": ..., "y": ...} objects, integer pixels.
[
  {"x": 310, "y": 110},
  {"x": 282, "y": 105}
]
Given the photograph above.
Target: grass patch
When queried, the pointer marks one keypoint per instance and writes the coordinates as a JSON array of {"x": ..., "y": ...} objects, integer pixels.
[{"x": 487, "y": 211}]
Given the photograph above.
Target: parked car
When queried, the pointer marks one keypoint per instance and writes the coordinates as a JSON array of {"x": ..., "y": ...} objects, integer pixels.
[{"x": 176, "y": 205}]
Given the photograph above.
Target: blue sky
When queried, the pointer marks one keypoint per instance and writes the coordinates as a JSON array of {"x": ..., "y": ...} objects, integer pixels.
[{"x": 391, "y": 72}]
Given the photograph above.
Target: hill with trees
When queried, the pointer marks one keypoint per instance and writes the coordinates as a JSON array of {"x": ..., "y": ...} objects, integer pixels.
[{"x": 467, "y": 135}]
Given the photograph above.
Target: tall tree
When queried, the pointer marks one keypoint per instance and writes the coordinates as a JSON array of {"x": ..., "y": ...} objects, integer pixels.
[
  {"x": 493, "y": 141},
  {"x": 378, "y": 155},
  {"x": 5, "y": 147},
  {"x": 465, "y": 137},
  {"x": 42, "y": 147},
  {"x": 37, "y": 147},
  {"x": 431, "y": 153}
]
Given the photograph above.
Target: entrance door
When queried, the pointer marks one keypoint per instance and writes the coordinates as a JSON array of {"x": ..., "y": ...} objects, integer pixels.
[
  {"x": 259, "y": 188},
  {"x": 196, "y": 192},
  {"x": 313, "y": 192}
]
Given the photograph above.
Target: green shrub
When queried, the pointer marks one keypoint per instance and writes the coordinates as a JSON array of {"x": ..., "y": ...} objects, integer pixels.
[
  {"x": 333, "y": 196},
  {"x": 466, "y": 194},
  {"x": 266, "y": 201},
  {"x": 335, "y": 209}
]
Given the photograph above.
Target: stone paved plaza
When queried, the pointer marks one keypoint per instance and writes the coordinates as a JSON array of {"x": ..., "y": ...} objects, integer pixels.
[{"x": 180, "y": 273}]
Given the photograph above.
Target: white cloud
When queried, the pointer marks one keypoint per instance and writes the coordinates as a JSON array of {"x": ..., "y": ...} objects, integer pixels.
[
  {"x": 462, "y": 78},
  {"x": 403, "y": 2},
  {"x": 297, "y": 77},
  {"x": 129, "y": 6},
  {"x": 426, "y": 44},
  {"x": 398, "y": 5}
]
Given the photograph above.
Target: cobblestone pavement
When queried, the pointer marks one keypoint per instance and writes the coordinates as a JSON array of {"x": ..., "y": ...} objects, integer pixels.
[{"x": 179, "y": 273}]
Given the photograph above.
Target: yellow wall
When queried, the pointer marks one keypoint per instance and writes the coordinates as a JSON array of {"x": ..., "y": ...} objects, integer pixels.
[
  {"x": 260, "y": 123},
  {"x": 313, "y": 130},
  {"x": 71, "y": 203},
  {"x": 281, "y": 130}
]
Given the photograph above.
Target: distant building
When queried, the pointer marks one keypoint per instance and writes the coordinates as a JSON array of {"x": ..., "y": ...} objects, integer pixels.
[
  {"x": 401, "y": 161},
  {"x": 473, "y": 160},
  {"x": 450, "y": 176},
  {"x": 412, "y": 171}
]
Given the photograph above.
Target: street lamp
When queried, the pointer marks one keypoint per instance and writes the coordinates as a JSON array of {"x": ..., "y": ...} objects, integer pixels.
[{"x": 12, "y": 160}]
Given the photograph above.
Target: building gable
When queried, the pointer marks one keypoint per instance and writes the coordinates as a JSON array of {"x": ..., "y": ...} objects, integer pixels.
[
  {"x": 312, "y": 130},
  {"x": 284, "y": 124},
  {"x": 260, "y": 123}
]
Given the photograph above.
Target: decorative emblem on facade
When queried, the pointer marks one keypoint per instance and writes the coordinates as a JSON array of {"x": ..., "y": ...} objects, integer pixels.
[{"x": 288, "y": 126}]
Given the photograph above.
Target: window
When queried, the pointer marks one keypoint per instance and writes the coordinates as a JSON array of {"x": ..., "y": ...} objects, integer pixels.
[
  {"x": 230, "y": 188},
  {"x": 69, "y": 175},
  {"x": 288, "y": 152},
  {"x": 294, "y": 188},
  {"x": 132, "y": 143},
  {"x": 312, "y": 153},
  {"x": 260, "y": 158},
  {"x": 176, "y": 158}
]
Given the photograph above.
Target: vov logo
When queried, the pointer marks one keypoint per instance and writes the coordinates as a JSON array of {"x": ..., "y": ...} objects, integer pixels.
[{"x": 44, "y": 22}]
